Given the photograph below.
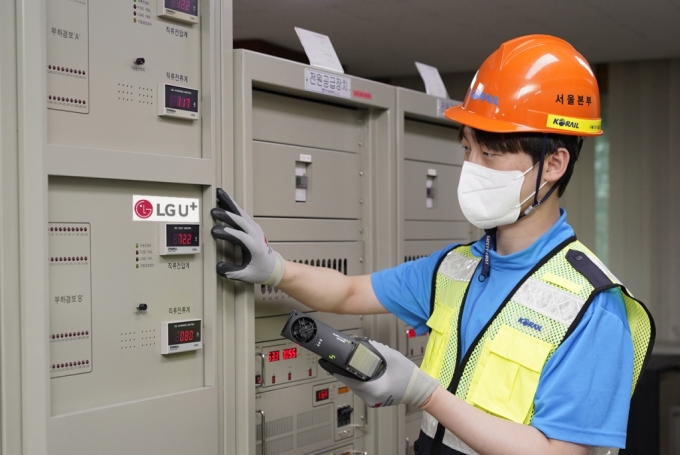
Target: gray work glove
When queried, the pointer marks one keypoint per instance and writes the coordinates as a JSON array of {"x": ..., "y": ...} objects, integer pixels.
[
  {"x": 260, "y": 263},
  {"x": 402, "y": 382}
]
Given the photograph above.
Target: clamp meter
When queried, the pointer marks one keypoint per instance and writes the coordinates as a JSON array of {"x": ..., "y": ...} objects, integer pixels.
[{"x": 354, "y": 355}]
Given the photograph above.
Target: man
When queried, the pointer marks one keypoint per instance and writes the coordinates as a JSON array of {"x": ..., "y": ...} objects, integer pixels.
[{"x": 534, "y": 346}]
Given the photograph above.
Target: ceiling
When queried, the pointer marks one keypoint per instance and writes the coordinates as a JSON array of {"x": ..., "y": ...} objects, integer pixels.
[{"x": 383, "y": 38}]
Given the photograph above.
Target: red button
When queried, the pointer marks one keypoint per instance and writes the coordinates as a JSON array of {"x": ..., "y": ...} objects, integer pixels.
[
  {"x": 273, "y": 379},
  {"x": 310, "y": 371},
  {"x": 258, "y": 379},
  {"x": 411, "y": 351},
  {"x": 290, "y": 375}
]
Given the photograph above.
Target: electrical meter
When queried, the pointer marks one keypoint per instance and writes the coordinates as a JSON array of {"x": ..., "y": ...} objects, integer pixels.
[
  {"x": 179, "y": 238},
  {"x": 178, "y": 102},
  {"x": 179, "y": 10},
  {"x": 181, "y": 336}
]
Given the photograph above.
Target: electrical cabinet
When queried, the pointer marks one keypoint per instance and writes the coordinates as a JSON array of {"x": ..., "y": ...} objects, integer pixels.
[
  {"x": 116, "y": 324},
  {"x": 429, "y": 161},
  {"x": 311, "y": 166}
]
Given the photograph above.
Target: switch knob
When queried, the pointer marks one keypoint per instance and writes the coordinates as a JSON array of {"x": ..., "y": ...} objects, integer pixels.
[
  {"x": 142, "y": 307},
  {"x": 139, "y": 61}
]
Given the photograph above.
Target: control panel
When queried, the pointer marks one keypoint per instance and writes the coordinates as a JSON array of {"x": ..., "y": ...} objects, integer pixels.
[
  {"x": 283, "y": 362},
  {"x": 125, "y": 75},
  {"x": 415, "y": 344},
  {"x": 310, "y": 416},
  {"x": 123, "y": 317}
]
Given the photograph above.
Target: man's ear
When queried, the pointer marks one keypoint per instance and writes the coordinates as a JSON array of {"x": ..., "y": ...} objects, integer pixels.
[{"x": 556, "y": 165}]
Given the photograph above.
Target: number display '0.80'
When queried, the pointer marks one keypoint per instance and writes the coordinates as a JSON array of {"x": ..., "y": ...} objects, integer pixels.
[{"x": 184, "y": 336}]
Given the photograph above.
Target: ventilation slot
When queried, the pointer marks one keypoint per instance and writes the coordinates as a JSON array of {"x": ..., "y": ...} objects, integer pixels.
[
  {"x": 336, "y": 264},
  {"x": 413, "y": 257},
  {"x": 277, "y": 446},
  {"x": 310, "y": 418},
  {"x": 312, "y": 436}
]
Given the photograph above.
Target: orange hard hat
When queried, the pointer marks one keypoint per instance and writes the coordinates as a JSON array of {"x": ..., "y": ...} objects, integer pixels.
[{"x": 534, "y": 83}]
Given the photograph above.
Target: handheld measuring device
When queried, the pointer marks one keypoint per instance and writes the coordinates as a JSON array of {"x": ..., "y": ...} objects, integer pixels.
[{"x": 354, "y": 355}]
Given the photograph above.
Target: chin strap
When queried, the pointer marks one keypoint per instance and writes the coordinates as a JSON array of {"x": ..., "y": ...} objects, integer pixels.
[{"x": 556, "y": 185}]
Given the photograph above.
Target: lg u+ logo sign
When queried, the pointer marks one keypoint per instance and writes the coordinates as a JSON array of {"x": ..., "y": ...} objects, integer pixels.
[{"x": 155, "y": 208}]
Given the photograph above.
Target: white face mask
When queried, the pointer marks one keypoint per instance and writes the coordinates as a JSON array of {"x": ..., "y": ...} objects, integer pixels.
[{"x": 490, "y": 198}]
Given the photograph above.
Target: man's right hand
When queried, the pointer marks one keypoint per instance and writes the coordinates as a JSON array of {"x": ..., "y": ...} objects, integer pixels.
[{"x": 260, "y": 264}]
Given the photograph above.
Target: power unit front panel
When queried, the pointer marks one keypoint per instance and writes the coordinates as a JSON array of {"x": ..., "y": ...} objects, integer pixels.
[
  {"x": 283, "y": 119},
  {"x": 107, "y": 79},
  {"x": 432, "y": 143},
  {"x": 110, "y": 292},
  {"x": 431, "y": 191},
  {"x": 327, "y": 174}
]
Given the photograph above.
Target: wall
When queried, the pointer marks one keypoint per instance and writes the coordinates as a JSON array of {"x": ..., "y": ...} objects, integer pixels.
[{"x": 644, "y": 243}]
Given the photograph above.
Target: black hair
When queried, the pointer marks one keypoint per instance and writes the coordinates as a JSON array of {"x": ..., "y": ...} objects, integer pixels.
[{"x": 531, "y": 144}]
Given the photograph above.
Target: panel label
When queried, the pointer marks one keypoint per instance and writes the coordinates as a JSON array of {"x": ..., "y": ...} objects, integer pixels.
[
  {"x": 157, "y": 208},
  {"x": 328, "y": 84},
  {"x": 443, "y": 105}
]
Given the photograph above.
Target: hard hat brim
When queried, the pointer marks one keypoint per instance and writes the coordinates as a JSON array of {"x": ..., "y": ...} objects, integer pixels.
[
  {"x": 464, "y": 117},
  {"x": 467, "y": 118}
]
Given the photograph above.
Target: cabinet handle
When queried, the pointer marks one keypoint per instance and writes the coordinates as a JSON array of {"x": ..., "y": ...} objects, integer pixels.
[
  {"x": 262, "y": 375},
  {"x": 264, "y": 437}
]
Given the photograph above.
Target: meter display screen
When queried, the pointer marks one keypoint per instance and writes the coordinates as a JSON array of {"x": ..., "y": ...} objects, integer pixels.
[
  {"x": 322, "y": 395},
  {"x": 182, "y": 98},
  {"x": 182, "y": 235},
  {"x": 184, "y": 332},
  {"x": 273, "y": 356},
  {"x": 290, "y": 353},
  {"x": 183, "y": 6}
]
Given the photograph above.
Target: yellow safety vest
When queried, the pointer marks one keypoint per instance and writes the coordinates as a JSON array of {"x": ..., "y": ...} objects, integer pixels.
[{"x": 501, "y": 370}]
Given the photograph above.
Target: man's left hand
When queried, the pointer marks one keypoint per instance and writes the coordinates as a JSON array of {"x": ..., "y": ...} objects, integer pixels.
[{"x": 401, "y": 381}]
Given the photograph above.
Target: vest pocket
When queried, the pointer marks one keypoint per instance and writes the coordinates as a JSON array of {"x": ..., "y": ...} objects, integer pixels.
[
  {"x": 506, "y": 377},
  {"x": 440, "y": 323}
]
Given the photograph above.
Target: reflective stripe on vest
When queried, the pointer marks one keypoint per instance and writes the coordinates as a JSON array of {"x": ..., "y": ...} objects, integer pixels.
[{"x": 515, "y": 345}]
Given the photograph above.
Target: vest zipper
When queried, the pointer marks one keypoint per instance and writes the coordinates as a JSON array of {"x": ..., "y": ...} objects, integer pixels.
[{"x": 460, "y": 368}]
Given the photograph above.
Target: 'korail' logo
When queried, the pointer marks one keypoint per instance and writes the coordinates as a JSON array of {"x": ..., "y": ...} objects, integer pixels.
[
  {"x": 144, "y": 208},
  {"x": 565, "y": 123},
  {"x": 479, "y": 95},
  {"x": 527, "y": 323}
]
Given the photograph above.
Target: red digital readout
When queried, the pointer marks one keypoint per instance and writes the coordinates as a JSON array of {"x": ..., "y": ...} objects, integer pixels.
[
  {"x": 322, "y": 394},
  {"x": 184, "y": 336},
  {"x": 180, "y": 5},
  {"x": 274, "y": 356},
  {"x": 290, "y": 353},
  {"x": 180, "y": 102},
  {"x": 182, "y": 239}
]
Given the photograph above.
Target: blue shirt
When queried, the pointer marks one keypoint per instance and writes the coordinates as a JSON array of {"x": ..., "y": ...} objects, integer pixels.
[{"x": 584, "y": 392}]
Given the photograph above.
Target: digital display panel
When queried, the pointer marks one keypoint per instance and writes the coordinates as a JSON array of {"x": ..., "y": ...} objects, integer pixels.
[
  {"x": 183, "y": 6},
  {"x": 182, "y": 235},
  {"x": 184, "y": 332},
  {"x": 322, "y": 395},
  {"x": 290, "y": 353},
  {"x": 274, "y": 356},
  {"x": 182, "y": 98}
]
